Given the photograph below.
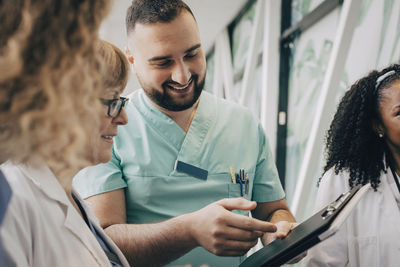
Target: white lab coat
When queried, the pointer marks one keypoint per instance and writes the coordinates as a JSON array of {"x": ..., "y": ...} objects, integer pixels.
[
  {"x": 370, "y": 237},
  {"x": 42, "y": 228}
]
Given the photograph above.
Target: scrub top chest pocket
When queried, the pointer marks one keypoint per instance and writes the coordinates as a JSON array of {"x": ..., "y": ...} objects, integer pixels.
[
  {"x": 241, "y": 186},
  {"x": 241, "y": 183}
]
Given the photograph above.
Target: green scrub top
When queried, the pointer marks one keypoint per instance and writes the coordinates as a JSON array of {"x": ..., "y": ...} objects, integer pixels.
[{"x": 222, "y": 134}]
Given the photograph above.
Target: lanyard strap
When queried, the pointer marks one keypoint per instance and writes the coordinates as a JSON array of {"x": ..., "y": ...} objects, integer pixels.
[{"x": 396, "y": 178}]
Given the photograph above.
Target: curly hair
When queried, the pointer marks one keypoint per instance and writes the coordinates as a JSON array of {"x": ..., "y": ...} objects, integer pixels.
[
  {"x": 352, "y": 142},
  {"x": 49, "y": 80}
]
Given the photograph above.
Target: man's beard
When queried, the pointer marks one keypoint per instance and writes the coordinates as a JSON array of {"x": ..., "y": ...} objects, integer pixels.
[{"x": 166, "y": 101}]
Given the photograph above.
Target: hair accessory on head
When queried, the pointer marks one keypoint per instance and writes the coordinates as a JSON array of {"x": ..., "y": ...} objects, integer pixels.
[
  {"x": 380, "y": 135},
  {"x": 383, "y": 77}
]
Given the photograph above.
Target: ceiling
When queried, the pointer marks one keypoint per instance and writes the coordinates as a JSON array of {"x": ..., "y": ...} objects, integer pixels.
[{"x": 211, "y": 15}]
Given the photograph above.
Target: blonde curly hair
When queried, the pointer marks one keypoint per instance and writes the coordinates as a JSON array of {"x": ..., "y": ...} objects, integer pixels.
[{"x": 49, "y": 80}]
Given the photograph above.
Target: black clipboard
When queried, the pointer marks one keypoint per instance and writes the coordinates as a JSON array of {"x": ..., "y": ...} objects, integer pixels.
[{"x": 318, "y": 227}]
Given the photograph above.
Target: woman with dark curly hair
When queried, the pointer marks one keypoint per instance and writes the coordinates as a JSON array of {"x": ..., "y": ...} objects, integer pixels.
[{"x": 363, "y": 146}]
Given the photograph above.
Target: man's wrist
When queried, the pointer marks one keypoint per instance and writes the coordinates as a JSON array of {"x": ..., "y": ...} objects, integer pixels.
[{"x": 187, "y": 227}]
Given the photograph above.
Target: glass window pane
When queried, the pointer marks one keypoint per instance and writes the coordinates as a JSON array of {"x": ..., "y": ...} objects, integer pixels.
[
  {"x": 301, "y": 8},
  {"x": 254, "y": 103},
  {"x": 241, "y": 39},
  {"x": 310, "y": 56}
]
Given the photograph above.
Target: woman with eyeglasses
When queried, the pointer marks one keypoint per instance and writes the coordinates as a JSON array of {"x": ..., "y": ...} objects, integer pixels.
[
  {"x": 53, "y": 75},
  {"x": 114, "y": 80},
  {"x": 363, "y": 146}
]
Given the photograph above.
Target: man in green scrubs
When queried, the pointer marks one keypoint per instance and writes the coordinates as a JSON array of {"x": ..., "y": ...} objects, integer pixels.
[{"x": 186, "y": 159}]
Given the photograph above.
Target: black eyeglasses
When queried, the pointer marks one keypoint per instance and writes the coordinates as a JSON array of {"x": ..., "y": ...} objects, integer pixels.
[{"x": 114, "y": 105}]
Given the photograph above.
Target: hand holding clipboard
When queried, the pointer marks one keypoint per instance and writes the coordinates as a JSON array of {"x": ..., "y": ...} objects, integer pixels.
[{"x": 317, "y": 228}]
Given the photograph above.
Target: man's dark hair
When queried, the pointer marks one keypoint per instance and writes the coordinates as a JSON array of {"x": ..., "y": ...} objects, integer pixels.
[
  {"x": 153, "y": 11},
  {"x": 352, "y": 142}
]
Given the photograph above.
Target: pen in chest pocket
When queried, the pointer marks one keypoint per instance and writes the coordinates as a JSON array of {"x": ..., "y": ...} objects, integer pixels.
[
  {"x": 246, "y": 179},
  {"x": 232, "y": 174},
  {"x": 240, "y": 178}
]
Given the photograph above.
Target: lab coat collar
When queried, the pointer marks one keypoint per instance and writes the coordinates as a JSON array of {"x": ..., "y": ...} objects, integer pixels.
[
  {"x": 44, "y": 178},
  {"x": 392, "y": 184},
  {"x": 390, "y": 179}
]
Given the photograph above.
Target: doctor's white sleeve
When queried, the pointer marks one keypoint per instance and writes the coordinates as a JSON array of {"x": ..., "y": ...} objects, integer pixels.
[{"x": 332, "y": 252}]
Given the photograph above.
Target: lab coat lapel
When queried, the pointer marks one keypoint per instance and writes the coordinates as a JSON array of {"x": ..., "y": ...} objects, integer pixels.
[
  {"x": 192, "y": 150},
  {"x": 100, "y": 231},
  {"x": 78, "y": 227},
  {"x": 49, "y": 185},
  {"x": 391, "y": 197},
  {"x": 392, "y": 188},
  {"x": 161, "y": 123}
]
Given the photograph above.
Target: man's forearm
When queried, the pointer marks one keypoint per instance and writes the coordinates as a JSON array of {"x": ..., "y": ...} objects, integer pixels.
[
  {"x": 153, "y": 244},
  {"x": 215, "y": 227}
]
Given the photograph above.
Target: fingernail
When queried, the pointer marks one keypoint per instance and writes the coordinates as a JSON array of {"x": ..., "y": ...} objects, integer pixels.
[{"x": 281, "y": 234}]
